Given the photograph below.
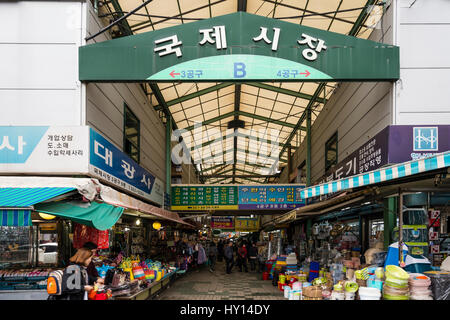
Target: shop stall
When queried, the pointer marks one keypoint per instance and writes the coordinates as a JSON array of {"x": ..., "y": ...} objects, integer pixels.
[
  {"x": 380, "y": 240},
  {"x": 42, "y": 227}
]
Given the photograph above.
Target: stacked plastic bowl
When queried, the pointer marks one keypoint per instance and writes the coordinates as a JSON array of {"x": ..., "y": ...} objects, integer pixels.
[
  {"x": 396, "y": 286},
  {"x": 419, "y": 287}
]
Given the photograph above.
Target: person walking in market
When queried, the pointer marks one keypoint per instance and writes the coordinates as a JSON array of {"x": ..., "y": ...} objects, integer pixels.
[
  {"x": 262, "y": 253},
  {"x": 220, "y": 248},
  {"x": 212, "y": 255},
  {"x": 253, "y": 256},
  {"x": 242, "y": 258},
  {"x": 228, "y": 254},
  {"x": 91, "y": 269}
]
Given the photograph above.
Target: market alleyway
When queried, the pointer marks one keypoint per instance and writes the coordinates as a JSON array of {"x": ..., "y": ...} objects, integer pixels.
[{"x": 204, "y": 285}]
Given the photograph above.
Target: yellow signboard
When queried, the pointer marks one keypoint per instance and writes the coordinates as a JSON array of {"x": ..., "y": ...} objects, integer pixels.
[{"x": 246, "y": 224}]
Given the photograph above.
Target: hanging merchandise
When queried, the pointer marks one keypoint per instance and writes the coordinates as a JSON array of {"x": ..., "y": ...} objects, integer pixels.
[{"x": 83, "y": 234}]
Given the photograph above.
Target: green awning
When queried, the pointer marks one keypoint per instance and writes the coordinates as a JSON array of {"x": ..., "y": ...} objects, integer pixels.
[{"x": 101, "y": 216}]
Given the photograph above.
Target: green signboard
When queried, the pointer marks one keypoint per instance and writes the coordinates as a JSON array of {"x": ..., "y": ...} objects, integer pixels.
[
  {"x": 238, "y": 47},
  {"x": 205, "y": 198}
]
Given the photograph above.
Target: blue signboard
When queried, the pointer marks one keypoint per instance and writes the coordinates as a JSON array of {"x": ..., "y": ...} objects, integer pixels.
[
  {"x": 270, "y": 197},
  {"x": 123, "y": 170}
]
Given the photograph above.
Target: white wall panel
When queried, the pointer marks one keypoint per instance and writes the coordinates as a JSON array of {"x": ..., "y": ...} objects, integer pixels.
[
  {"x": 423, "y": 95},
  {"x": 39, "y": 62},
  {"x": 39, "y": 107},
  {"x": 424, "y": 11},
  {"x": 424, "y": 46}
]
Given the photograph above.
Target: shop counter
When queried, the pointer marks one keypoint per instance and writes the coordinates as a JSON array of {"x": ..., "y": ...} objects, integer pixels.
[
  {"x": 150, "y": 291},
  {"x": 23, "y": 294}
]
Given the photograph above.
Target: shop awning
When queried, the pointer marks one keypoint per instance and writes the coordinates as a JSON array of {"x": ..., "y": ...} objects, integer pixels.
[
  {"x": 101, "y": 216},
  {"x": 397, "y": 171},
  {"x": 15, "y": 218},
  {"x": 25, "y": 197},
  {"x": 116, "y": 198}
]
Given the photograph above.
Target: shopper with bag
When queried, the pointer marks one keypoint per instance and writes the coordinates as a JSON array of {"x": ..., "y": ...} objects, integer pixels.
[
  {"x": 242, "y": 258},
  {"x": 228, "y": 253},
  {"x": 72, "y": 282}
]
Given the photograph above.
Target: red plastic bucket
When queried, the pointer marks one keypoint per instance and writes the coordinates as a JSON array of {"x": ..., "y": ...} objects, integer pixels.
[{"x": 266, "y": 275}]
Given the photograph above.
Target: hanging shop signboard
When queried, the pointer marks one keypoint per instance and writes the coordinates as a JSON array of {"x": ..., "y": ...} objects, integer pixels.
[
  {"x": 234, "y": 197},
  {"x": 212, "y": 197},
  {"x": 253, "y": 197},
  {"x": 74, "y": 150},
  {"x": 246, "y": 224},
  {"x": 224, "y": 223},
  {"x": 109, "y": 164},
  {"x": 238, "y": 47}
]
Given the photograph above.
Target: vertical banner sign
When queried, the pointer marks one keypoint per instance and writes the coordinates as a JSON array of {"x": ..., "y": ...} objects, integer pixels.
[
  {"x": 224, "y": 223},
  {"x": 109, "y": 164},
  {"x": 246, "y": 224}
]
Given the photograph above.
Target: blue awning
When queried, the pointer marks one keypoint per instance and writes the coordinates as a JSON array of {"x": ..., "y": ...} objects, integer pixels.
[
  {"x": 26, "y": 197},
  {"x": 401, "y": 170},
  {"x": 15, "y": 218}
]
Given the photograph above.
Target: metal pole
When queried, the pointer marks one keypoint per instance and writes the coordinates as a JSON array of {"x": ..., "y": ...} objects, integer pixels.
[
  {"x": 168, "y": 155},
  {"x": 308, "y": 147},
  {"x": 400, "y": 226},
  {"x": 118, "y": 20}
]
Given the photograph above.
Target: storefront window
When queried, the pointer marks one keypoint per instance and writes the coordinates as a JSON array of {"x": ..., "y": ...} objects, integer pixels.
[
  {"x": 15, "y": 246},
  {"x": 131, "y": 134},
  {"x": 48, "y": 244},
  {"x": 331, "y": 152}
]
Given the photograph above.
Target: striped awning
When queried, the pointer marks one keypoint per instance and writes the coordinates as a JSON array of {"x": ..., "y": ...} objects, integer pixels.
[
  {"x": 25, "y": 197},
  {"x": 380, "y": 175},
  {"x": 15, "y": 218}
]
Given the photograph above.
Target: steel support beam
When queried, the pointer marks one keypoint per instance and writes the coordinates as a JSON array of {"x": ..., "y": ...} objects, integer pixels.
[
  {"x": 308, "y": 148},
  {"x": 207, "y": 143},
  {"x": 237, "y": 113},
  {"x": 168, "y": 156},
  {"x": 194, "y": 95},
  {"x": 284, "y": 91}
]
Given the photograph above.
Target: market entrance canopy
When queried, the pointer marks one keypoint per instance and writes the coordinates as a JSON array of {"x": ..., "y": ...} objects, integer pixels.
[{"x": 239, "y": 47}]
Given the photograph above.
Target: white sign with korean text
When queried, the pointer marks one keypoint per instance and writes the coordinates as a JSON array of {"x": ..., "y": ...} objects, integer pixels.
[{"x": 44, "y": 149}]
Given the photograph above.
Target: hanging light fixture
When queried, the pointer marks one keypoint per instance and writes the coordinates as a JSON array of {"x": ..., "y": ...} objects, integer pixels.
[
  {"x": 138, "y": 222},
  {"x": 156, "y": 225},
  {"x": 46, "y": 216}
]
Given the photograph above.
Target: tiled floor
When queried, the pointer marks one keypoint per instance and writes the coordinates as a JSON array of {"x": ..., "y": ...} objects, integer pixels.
[{"x": 204, "y": 285}]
